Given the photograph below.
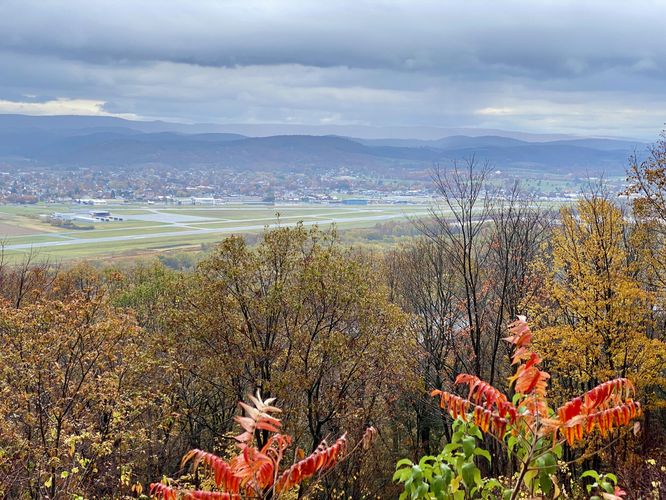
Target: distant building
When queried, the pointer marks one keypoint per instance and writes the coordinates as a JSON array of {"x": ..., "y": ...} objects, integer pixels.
[
  {"x": 71, "y": 217},
  {"x": 354, "y": 201},
  {"x": 91, "y": 201},
  {"x": 205, "y": 201},
  {"x": 91, "y": 217}
]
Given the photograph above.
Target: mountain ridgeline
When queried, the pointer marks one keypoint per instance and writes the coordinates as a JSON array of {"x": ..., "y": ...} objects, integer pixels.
[{"x": 107, "y": 142}]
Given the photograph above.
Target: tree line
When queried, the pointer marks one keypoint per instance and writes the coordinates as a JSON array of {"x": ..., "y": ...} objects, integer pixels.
[{"x": 110, "y": 374}]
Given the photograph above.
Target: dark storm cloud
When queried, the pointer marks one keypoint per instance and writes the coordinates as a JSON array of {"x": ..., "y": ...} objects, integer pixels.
[
  {"x": 521, "y": 64},
  {"x": 545, "y": 38}
]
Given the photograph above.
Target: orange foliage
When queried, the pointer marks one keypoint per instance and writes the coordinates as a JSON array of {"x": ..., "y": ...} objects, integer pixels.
[
  {"x": 606, "y": 406},
  {"x": 255, "y": 471},
  {"x": 322, "y": 459}
]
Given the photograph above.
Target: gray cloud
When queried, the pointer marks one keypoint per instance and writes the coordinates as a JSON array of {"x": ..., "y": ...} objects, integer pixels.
[{"x": 589, "y": 67}]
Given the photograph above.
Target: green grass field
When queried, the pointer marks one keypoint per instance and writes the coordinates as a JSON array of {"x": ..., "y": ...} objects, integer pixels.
[
  {"x": 151, "y": 229},
  {"x": 157, "y": 228}
]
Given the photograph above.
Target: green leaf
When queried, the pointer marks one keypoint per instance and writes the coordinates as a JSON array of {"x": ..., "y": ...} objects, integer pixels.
[
  {"x": 437, "y": 485},
  {"x": 529, "y": 477},
  {"x": 404, "y": 461},
  {"x": 447, "y": 475},
  {"x": 469, "y": 445},
  {"x": 590, "y": 473},
  {"x": 469, "y": 473},
  {"x": 477, "y": 477},
  {"x": 549, "y": 463},
  {"x": 483, "y": 453},
  {"x": 417, "y": 473},
  {"x": 422, "y": 490},
  {"x": 511, "y": 444},
  {"x": 607, "y": 486},
  {"x": 450, "y": 448},
  {"x": 491, "y": 484},
  {"x": 427, "y": 474},
  {"x": 557, "y": 449},
  {"x": 612, "y": 477},
  {"x": 460, "y": 461},
  {"x": 402, "y": 475},
  {"x": 475, "y": 431},
  {"x": 545, "y": 483}
]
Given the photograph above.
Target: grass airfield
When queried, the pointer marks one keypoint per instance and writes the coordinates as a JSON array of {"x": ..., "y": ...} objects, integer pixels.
[{"x": 155, "y": 228}]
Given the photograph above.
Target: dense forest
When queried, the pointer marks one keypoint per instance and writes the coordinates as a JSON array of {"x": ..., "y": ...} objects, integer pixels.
[{"x": 110, "y": 375}]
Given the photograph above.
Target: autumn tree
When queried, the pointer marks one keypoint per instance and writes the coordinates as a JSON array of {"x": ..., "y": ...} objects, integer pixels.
[
  {"x": 26, "y": 280},
  {"x": 300, "y": 318},
  {"x": 488, "y": 237},
  {"x": 593, "y": 311},
  {"x": 526, "y": 425},
  {"x": 647, "y": 192},
  {"x": 647, "y": 181},
  {"x": 464, "y": 279},
  {"x": 194, "y": 409},
  {"x": 518, "y": 228},
  {"x": 458, "y": 228},
  {"x": 260, "y": 473},
  {"x": 74, "y": 386}
]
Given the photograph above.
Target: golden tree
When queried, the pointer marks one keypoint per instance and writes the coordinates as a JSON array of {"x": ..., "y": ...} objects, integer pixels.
[
  {"x": 74, "y": 385},
  {"x": 594, "y": 310},
  {"x": 300, "y": 318}
]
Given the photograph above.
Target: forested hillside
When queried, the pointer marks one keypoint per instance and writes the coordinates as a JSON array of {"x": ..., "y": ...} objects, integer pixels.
[
  {"x": 62, "y": 142},
  {"x": 110, "y": 375}
]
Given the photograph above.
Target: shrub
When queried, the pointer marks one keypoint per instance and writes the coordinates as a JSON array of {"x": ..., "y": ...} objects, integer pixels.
[
  {"x": 256, "y": 471},
  {"x": 532, "y": 431}
]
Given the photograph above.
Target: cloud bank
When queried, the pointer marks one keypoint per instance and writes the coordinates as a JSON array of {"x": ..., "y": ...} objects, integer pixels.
[{"x": 556, "y": 66}]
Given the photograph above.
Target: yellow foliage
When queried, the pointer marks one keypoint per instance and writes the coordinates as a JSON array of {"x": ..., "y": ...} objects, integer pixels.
[{"x": 594, "y": 311}]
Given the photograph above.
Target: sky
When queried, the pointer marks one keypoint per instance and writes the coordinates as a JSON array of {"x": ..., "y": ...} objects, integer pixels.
[{"x": 575, "y": 67}]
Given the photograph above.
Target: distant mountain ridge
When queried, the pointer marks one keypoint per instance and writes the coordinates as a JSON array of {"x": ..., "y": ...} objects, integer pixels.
[
  {"x": 62, "y": 141},
  {"x": 82, "y": 122}
]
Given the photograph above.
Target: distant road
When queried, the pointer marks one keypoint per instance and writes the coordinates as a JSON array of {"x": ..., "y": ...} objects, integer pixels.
[{"x": 193, "y": 232}]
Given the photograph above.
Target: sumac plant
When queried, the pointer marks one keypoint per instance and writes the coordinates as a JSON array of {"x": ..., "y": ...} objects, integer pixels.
[
  {"x": 527, "y": 426},
  {"x": 451, "y": 475},
  {"x": 256, "y": 472}
]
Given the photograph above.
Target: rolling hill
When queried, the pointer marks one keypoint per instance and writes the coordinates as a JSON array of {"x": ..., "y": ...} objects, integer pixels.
[{"x": 59, "y": 141}]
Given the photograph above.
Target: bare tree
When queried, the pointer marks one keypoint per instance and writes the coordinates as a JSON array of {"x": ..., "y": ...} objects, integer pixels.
[
  {"x": 423, "y": 285},
  {"x": 456, "y": 227},
  {"x": 518, "y": 228},
  {"x": 30, "y": 277}
]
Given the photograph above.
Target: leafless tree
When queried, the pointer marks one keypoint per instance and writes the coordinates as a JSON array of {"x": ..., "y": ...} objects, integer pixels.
[
  {"x": 457, "y": 227},
  {"x": 423, "y": 285},
  {"x": 518, "y": 229},
  {"x": 29, "y": 277}
]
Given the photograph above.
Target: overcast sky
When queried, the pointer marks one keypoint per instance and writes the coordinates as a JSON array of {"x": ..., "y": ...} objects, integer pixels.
[{"x": 582, "y": 67}]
